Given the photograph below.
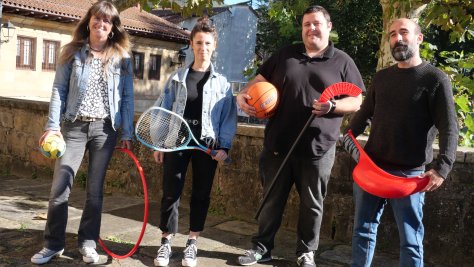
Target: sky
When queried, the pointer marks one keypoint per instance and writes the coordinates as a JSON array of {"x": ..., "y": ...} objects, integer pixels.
[{"x": 231, "y": 2}]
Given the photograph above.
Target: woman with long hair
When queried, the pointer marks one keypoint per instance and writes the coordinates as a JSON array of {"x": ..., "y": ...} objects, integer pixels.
[
  {"x": 204, "y": 98},
  {"x": 91, "y": 99}
]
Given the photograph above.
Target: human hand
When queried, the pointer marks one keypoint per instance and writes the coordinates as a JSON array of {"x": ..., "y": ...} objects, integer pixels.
[
  {"x": 48, "y": 133},
  {"x": 435, "y": 182},
  {"x": 158, "y": 156},
  {"x": 242, "y": 98},
  {"x": 221, "y": 155},
  {"x": 321, "y": 108}
]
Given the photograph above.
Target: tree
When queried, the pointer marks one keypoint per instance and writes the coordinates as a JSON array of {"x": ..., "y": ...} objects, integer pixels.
[
  {"x": 393, "y": 9},
  {"x": 451, "y": 25},
  {"x": 185, "y": 7},
  {"x": 454, "y": 19},
  {"x": 280, "y": 25}
]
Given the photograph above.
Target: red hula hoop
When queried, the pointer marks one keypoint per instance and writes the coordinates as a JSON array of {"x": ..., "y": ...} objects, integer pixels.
[{"x": 145, "y": 215}]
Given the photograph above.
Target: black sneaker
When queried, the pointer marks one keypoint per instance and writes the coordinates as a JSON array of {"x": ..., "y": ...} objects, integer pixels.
[
  {"x": 190, "y": 253},
  {"x": 254, "y": 256},
  {"x": 306, "y": 260},
  {"x": 164, "y": 253}
]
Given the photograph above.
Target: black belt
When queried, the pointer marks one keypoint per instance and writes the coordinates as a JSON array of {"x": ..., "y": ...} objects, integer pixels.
[{"x": 192, "y": 122}]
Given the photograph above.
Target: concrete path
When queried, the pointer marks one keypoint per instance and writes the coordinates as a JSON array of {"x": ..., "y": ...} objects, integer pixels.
[{"x": 22, "y": 219}]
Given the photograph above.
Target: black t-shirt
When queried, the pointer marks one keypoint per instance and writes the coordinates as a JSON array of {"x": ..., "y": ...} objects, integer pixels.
[
  {"x": 299, "y": 80},
  {"x": 195, "y": 81}
]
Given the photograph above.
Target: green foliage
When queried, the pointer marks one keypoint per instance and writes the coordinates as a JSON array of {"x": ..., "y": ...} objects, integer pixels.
[
  {"x": 453, "y": 16},
  {"x": 452, "y": 29},
  {"x": 185, "y": 7},
  {"x": 360, "y": 40},
  {"x": 81, "y": 179},
  {"x": 460, "y": 72}
]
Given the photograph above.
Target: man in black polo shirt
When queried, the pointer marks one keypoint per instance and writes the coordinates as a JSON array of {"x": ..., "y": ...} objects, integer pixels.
[{"x": 301, "y": 72}]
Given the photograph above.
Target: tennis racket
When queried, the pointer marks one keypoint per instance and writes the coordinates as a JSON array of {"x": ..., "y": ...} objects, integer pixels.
[{"x": 166, "y": 131}]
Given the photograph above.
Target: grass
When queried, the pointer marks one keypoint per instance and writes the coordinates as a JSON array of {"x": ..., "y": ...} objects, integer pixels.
[
  {"x": 81, "y": 179},
  {"x": 118, "y": 240},
  {"x": 23, "y": 227}
]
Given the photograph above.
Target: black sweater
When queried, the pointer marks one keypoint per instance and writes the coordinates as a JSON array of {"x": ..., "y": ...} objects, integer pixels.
[{"x": 405, "y": 108}]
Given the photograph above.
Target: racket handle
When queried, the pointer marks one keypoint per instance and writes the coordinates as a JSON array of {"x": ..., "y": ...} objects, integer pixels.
[
  {"x": 226, "y": 161},
  {"x": 349, "y": 145}
]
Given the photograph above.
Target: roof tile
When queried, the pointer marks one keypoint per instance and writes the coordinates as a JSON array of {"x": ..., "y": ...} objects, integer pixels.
[{"x": 137, "y": 21}]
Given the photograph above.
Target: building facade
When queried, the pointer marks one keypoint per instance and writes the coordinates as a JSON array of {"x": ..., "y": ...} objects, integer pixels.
[
  {"x": 42, "y": 27},
  {"x": 236, "y": 26}
]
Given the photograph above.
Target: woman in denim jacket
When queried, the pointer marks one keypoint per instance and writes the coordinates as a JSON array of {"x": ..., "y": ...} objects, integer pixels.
[
  {"x": 92, "y": 98},
  {"x": 204, "y": 99}
]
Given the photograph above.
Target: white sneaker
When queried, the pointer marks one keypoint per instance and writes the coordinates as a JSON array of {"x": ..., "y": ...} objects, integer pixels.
[
  {"x": 89, "y": 255},
  {"x": 164, "y": 253},
  {"x": 190, "y": 254},
  {"x": 45, "y": 255},
  {"x": 306, "y": 260}
]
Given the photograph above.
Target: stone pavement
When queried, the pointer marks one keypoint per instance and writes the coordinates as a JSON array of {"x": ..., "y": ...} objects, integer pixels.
[{"x": 22, "y": 218}]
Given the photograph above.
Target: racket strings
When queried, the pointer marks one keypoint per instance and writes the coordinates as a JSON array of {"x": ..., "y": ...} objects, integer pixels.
[{"x": 163, "y": 130}]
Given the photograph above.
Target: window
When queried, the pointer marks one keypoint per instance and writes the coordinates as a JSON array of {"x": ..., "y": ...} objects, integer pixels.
[
  {"x": 50, "y": 54},
  {"x": 138, "y": 65},
  {"x": 154, "y": 69},
  {"x": 25, "y": 53}
]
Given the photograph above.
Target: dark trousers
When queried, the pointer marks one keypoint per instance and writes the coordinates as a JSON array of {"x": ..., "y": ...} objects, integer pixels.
[
  {"x": 174, "y": 176},
  {"x": 98, "y": 139},
  {"x": 310, "y": 178}
]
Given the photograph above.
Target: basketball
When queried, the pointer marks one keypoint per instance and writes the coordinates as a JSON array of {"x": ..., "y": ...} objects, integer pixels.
[
  {"x": 53, "y": 147},
  {"x": 264, "y": 99}
]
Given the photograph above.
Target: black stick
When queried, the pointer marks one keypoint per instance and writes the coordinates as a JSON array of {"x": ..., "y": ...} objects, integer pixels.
[{"x": 283, "y": 165}]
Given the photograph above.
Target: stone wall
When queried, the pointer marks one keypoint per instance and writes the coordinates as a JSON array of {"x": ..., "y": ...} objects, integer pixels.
[{"x": 449, "y": 212}]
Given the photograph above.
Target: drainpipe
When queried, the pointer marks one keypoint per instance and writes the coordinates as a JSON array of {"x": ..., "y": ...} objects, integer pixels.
[{"x": 1, "y": 13}]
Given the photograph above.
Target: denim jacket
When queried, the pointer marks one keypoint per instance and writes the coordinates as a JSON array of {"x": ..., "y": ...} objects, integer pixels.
[
  {"x": 71, "y": 80},
  {"x": 219, "y": 111}
]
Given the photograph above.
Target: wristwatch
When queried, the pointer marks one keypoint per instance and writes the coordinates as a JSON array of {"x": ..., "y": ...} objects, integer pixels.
[{"x": 333, "y": 106}]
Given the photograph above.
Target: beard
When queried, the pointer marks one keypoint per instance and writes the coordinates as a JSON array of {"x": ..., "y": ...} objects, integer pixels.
[{"x": 402, "y": 51}]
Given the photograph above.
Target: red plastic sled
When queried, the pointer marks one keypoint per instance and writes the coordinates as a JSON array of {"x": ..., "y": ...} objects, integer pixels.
[{"x": 377, "y": 182}]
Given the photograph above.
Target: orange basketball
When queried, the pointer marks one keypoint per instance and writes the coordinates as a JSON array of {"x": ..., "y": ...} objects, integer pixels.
[{"x": 264, "y": 99}]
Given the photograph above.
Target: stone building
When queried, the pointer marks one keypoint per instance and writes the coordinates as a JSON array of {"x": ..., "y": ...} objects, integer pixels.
[{"x": 28, "y": 58}]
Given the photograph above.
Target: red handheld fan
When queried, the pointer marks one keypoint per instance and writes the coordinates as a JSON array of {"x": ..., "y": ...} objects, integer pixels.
[
  {"x": 376, "y": 181},
  {"x": 338, "y": 89}
]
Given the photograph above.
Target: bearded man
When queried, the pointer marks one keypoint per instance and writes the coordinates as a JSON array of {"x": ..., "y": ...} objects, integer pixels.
[{"x": 406, "y": 105}]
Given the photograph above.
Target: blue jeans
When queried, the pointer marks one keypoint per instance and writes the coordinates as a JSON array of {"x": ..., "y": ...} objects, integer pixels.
[
  {"x": 99, "y": 138},
  {"x": 408, "y": 213}
]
